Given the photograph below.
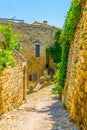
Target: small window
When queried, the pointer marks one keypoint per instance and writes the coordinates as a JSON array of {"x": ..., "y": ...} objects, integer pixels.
[
  {"x": 37, "y": 50},
  {"x": 34, "y": 76},
  {"x": 30, "y": 77}
]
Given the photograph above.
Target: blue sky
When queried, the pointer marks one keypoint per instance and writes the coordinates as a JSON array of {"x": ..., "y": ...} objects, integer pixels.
[{"x": 54, "y": 11}]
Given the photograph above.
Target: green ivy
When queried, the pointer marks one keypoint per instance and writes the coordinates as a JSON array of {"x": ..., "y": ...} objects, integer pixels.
[
  {"x": 66, "y": 37},
  {"x": 55, "y": 50},
  {"x": 80, "y": 47},
  {"x": 8, "y": 41}
]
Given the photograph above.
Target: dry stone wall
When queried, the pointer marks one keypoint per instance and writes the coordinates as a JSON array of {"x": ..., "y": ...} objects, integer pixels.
[
  {"x": 75, "y": 91},
  {"x": 13, "y": 85}
]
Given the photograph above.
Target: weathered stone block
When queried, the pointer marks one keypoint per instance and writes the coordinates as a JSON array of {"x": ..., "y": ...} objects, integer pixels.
[
  {"x": 86, "y": 86},
  {"x": 85, "y": 74}
]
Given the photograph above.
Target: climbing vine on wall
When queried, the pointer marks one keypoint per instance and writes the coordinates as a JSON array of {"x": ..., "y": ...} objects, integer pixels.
[
  {"x": 55, "y": 50},
  {"x": 8, "y": 41},
  {"x": 66, "y": 37}
]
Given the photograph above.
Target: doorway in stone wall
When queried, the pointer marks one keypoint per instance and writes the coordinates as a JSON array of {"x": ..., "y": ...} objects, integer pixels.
[{"x": 47, "y": 60}]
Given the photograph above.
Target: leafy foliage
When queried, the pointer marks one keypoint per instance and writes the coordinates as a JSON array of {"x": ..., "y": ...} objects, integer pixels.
[
  {"x": 66, "y": 37},
  {"x": 55, "y": 51},
  {"x": 8, "y": 41}
]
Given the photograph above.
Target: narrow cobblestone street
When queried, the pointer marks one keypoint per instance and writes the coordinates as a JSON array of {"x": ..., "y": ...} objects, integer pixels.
[{"x": 42, "y": 111}]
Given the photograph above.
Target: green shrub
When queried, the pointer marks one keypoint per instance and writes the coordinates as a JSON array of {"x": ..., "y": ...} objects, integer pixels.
[
  {"x": 8, "y": 41},
  {"x": 55, "y": 50}
]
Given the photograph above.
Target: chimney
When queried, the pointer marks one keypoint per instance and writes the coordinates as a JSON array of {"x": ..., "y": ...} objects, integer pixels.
[{"x": 45, "y": 22}]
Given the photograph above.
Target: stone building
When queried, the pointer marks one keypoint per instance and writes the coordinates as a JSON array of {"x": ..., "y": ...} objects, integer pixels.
[{"x": 35, "y": 39}]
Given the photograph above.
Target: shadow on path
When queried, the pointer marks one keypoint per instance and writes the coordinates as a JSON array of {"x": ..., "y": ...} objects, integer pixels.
[{"x": 57, "y": 114}]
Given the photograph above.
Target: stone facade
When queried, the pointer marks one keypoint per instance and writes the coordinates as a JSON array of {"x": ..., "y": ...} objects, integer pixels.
[
  {"x": 13, "y": 85},
  {"x": 37, "y": 35},
  {"x": 75, "y": 91}
]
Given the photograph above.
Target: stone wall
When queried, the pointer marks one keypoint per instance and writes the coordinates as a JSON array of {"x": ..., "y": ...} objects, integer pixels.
[
  {"x": 32, "y": 35},
  {"x": 13, "y": 85},
  {"x": 75, "y": 91}
]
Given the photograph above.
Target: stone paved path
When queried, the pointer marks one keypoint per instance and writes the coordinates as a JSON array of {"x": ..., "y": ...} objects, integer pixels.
[{"x": 42, "y": 111}]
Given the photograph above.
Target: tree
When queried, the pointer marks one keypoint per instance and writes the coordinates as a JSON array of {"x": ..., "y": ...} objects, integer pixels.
[{"x": 8, "y": 41}]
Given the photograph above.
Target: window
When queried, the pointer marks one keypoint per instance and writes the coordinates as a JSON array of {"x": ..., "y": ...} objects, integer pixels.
[
  {"x": 30, "y": 77},
  {"x": 37, "y": 50},
  {"x": 34, "y": 76},
  {"x": 47, "y": 60}
]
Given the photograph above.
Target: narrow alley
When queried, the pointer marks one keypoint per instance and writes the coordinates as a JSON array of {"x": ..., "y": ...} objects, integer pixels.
[{"x": 42, "y": 111}]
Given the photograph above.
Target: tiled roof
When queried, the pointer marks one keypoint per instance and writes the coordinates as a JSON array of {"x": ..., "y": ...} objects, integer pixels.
[{"x": 42, "y": 24}]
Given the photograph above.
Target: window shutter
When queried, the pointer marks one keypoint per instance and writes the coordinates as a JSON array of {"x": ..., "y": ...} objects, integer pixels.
[{"x": 37, "y": 50}]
